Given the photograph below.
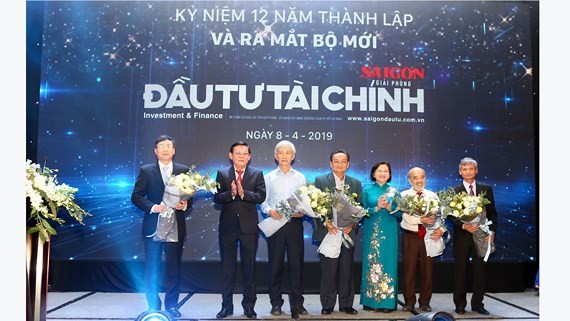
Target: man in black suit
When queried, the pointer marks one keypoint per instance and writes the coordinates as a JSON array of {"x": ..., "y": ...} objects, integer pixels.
[
  {"x": 463, "y": 244},
  {"x": 147, "y": 195},
  {"x": 337, "y": 273},
  {"x": 241, "y": 189}
]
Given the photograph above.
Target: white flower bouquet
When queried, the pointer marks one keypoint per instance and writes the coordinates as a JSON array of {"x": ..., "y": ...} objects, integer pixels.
[
  {"x": 418, "y": 205},
  {"x": 184, "y": 186},
  {"x": 308, "y": 200},
  {"x": 180, "y": 187},
  {"x": 421, "y": 206},
  {"x": 46, "y": 197},
  {"x": 469, "y": 209}
]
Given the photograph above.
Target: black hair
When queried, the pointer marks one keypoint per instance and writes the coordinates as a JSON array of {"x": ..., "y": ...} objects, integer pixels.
[
  {"x": 162, "y": 138},
  {"x": 375, "y": 167},
  {"x": 340, "y": 151},
  {"x": 240, "y": 143}
]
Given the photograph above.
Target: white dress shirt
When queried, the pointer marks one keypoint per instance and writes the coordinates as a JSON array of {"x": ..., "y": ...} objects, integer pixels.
[
  {"x": 410, "y": 222},
  {"x": 281, "y": 186}
]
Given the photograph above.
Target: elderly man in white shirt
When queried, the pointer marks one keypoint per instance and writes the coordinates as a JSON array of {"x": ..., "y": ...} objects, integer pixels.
[
  {"x": 281, "y": 183},
  {"x": 414, "y": 252}
]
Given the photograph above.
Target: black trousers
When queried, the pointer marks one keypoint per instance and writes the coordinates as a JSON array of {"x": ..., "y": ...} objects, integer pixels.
[
  {"x": 153, "y": 261},
  {"x": 228, "y": 251},
  {"x": 337, "y": 278},
  {"x": 287, "y": 240},
  {"x": 463, "y": 249}
]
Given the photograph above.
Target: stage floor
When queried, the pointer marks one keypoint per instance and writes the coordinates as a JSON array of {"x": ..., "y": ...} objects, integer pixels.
[{"x": 70, "y": 306}]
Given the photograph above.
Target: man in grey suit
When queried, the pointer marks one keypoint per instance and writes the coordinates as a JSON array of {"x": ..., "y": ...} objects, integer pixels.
[
  {"x": 147, "y": 196},
  {"x": 337, "y": 273},
  {"x": 241, "y": 189}
]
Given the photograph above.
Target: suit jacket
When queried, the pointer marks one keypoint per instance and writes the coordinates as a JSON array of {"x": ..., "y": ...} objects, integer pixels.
[
  {"x": 323, "y": 182},
  {"x": 237, "y": 210},
  {"x": 490, "y": 209},
  {"x": 148, "y": 191}
]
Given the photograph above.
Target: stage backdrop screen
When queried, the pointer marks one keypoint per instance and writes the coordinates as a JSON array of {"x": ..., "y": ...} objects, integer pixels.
[{"x": 414, "y": 83}]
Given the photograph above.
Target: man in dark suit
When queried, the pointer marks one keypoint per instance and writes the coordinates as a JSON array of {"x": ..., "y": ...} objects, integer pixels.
[
  {"x": 463, "y": 244},
  {"x": 241, "y": 189},
  {"x": 337, "y": 273},
  {"x": 147, "y": 195}
]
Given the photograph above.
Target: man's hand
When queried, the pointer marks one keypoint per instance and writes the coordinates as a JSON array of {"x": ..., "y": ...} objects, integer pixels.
[
  {"x": 331, "y": 228},
  {"x": 181, "y": 206},
  {"x": 435, "y": 235},
  {"x": 275, "y": 215},
  {"x": 471, "y": 228},
  {"x": 240, "y": 190},
  {"x": 427, "y": 219}
]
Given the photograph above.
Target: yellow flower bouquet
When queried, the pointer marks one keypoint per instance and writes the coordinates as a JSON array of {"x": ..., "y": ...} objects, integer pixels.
[{"x": 462, "y": 205}]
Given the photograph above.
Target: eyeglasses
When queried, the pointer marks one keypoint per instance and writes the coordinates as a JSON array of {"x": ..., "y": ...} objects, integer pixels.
[{"x": 240, "y": 154}]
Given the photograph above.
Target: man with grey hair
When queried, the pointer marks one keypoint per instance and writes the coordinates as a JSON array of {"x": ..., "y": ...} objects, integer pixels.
[
  {"x": 463, "y": 244},
  {"x": 281, "y": 183}
]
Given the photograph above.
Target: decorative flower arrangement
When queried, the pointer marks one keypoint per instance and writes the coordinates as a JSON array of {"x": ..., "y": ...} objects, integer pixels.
[
  {"x": 320, "y": 200},
  {"x": 192, "y": 181},
  {"x": 47, "y": 197},
  {"x": 418, "y": 205},
  {"x": 462, "y": 205}
]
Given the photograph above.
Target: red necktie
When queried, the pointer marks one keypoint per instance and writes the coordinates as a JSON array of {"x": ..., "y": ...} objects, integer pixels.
[
  {"x": 471, "y": 190},
  {"x": 239, "y": 171},
  {"x": 421, "y": 227}
]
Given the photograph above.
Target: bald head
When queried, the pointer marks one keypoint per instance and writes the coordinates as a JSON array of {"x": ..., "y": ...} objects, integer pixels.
[{"x": 417, "y": 178}]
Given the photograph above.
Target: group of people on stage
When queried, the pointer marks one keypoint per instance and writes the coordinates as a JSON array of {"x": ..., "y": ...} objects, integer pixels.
[{"x": 242, "y": 188}]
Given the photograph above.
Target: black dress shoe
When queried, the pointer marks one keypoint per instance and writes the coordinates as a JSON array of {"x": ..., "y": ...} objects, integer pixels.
[
  {"x": 350, "y": 310},
  {"x": 407, "y": 308},
  {"x": 276, "y": 310},
  {"x": 460, "y": 310},
  {"x": 224, "y": 312},
  {"x": 481, "y": 310},
  {"x": 294, "y": 315},
  {"x": 174, "y": 312},
  {"x": 326, "y": 311},
  {"x": 249, "y": 313}
]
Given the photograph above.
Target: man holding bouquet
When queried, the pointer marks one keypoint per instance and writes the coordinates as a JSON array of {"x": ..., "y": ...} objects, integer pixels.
[
  {"x": 414, "y": 253},
  {"x": 148, "y": 195},
  {"x": 282, "y": 183},
  {"x": 337, "y": 273},
  {"x": 464, "y": 247}
]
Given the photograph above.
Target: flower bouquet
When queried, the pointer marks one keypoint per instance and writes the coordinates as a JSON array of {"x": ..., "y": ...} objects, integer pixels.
[
  {"x": 307, "y": 199},
  {"x": 180, "y": 187},
  {"x": 184, "y": 186},
  {"x": 421, "y": 206},
  {"x": 348, "y": 212},
  {"x": 469, "y": 209},
  {"x": 46, "y": 197}
]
